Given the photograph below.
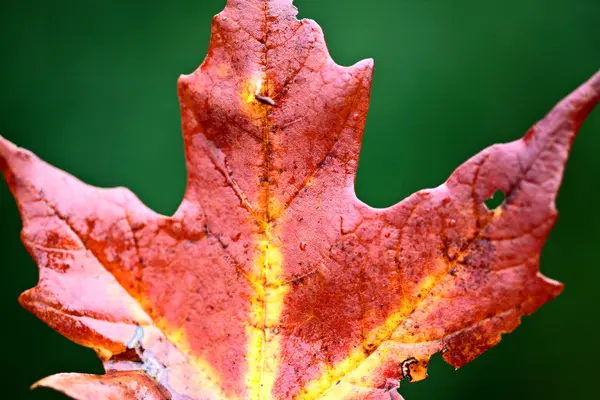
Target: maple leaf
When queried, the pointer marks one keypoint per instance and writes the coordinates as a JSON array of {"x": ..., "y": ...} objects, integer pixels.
[{"x": 272, "y": 280}]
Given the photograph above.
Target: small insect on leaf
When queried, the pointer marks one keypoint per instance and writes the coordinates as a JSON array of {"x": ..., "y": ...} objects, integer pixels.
[{"x": 265, "y": 100}]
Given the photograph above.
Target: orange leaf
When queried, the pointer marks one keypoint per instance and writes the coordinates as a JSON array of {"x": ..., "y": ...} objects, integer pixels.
[{"x": 272, "y": 280}]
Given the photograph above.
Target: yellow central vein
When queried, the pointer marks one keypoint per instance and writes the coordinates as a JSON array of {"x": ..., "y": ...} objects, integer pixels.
[
  {"x": 267, "y": 302},
  {"x": 266, "y": 307},
  {"x": 267, "y": 245}
]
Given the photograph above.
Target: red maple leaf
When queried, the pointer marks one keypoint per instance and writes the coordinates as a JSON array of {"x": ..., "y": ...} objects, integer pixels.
[{"x": 272, "y": 280}]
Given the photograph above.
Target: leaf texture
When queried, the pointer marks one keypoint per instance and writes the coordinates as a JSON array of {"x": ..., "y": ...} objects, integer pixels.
[{"x": 272, "y": 280}]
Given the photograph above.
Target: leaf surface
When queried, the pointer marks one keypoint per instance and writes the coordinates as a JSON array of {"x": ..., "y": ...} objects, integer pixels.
[{"x": 272, "y": 280}]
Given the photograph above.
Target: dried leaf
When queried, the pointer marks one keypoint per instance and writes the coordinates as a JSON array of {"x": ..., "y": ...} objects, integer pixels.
[{"x": 272, "y": 280}]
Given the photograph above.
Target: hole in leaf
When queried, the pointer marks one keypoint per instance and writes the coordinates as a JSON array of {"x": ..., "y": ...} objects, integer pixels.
[{"x": 495, "y": 201}]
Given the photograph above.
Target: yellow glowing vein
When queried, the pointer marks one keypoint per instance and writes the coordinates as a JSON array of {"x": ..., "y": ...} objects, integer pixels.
[
  {"x": 267, "y": 303},
  {"x": 323, "y": 387}
]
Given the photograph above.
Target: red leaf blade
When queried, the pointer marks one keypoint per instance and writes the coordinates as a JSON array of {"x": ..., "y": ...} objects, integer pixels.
[{"x": 272, "y": 280}]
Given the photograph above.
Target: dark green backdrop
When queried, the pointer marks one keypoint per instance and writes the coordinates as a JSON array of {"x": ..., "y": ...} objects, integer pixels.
[{"x": 90, "y": 87}]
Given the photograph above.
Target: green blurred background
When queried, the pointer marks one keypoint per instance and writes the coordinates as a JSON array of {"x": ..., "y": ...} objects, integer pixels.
[{"x": 90, "y": 87}]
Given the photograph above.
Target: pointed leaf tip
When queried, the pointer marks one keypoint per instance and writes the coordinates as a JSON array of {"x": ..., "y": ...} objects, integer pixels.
[
  {"x": 580, "y": 103},
  {"x": 132, "y": 385}
]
